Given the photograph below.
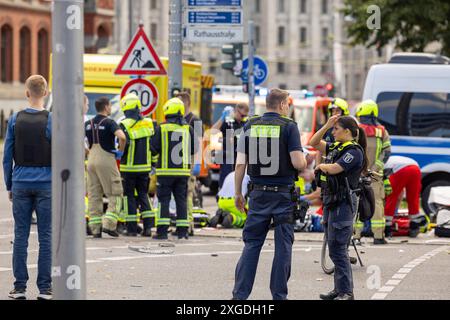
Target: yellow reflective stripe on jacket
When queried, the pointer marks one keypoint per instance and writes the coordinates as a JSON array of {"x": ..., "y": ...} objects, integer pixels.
[
  {"x": 164, "y": 169},
  {"x": 141, "y": 129},
  {"x": 138, "y": 129}
]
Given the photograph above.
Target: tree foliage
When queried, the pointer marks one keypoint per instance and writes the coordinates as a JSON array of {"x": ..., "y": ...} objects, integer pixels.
[{"x": 412, "y": 24}]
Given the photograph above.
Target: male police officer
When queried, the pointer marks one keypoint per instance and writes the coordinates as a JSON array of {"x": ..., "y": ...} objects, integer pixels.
[
  {"x": 272, "y": 150},
  {"x": 174, "y": 142},
  {"x": 136, "y": 165}
]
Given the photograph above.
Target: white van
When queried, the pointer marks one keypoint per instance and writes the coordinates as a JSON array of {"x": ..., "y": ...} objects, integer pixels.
[{"x": 414, "y": 103}]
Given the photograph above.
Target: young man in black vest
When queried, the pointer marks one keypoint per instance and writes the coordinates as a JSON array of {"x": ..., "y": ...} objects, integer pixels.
[{"x": 28, "y": 176}]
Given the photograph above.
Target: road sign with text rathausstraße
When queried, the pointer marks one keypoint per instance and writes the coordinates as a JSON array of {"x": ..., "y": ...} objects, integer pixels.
[
  {"x": 215, "y": 3},
  {"x": 140, "y": 58}
]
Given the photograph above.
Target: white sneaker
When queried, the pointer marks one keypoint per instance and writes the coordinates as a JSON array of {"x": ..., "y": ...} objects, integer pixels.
[
  {"x": 17, "y": 294},
  {"x": 45, "y": 295}
]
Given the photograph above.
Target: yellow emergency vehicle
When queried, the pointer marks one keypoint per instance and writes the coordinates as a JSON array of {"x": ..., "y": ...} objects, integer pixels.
[{"x": 100, "y": 81}]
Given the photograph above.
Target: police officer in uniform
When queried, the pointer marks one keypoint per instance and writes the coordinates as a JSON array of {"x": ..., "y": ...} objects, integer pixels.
[
  {"x": 174, "y": 142},
  {"x": 135, "y": 165},
  {"x": 338, "y": 176},
  {"x": 276, "y": 137}
]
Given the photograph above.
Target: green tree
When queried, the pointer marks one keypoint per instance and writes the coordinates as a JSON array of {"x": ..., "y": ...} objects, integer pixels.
[{"x": 413, "y": 24}]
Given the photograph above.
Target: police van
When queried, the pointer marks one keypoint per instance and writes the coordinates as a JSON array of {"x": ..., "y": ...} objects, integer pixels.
[{"x": 413, "y": 94}]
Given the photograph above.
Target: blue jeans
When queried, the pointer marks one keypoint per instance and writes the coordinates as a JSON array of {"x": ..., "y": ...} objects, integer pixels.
[{"x": 24, "y": 203}]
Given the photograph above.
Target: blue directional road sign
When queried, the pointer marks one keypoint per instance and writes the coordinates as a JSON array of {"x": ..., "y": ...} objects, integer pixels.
[
  {"x": 261, "y": 71},
  {"x": 214, "y": 3},
  {"x": 215, "y": 17}
]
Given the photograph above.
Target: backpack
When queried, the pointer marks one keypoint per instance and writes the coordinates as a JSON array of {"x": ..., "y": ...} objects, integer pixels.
[{"x": 366, "y": 205}]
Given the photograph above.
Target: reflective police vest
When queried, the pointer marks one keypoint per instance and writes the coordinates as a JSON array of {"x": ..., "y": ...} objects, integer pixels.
[
  {"x": 263, "y": 135},
  {"x": 334, "y": 186},
  {"x": 175, "y": 157},
  {"x": 137, "y": 156}
]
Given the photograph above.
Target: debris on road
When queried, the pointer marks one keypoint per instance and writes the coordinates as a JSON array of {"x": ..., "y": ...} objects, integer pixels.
[
  {"x": 167, "y": 245},
  {"x": 148, "y": 250}
]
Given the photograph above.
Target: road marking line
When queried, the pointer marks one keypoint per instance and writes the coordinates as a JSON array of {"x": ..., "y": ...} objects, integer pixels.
[
  {"x": 386, "y": 289},
  {"x": 393, "y": 282},
  {"x": 403, "y": 272},
  {"x": 11, "y": 236},
  {"x": 5, "y": 269},
  {"x": 6, "y": 220},
  {"x": 379, "y": 296}
]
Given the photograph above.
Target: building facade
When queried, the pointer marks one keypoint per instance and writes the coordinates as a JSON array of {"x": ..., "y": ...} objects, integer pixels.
[
  {"x": 25, "y": 36},
  {"x": 296, "y": 37}
]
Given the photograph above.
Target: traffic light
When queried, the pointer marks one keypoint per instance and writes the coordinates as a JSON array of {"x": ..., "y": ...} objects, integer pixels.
[
  {"x": 331, "y": 89},
  {"x": 236, "y": 51}
]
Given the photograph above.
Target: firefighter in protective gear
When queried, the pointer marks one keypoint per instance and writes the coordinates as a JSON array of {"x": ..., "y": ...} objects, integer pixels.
[
  {"x": 136, "y": 165},
  {"x": 175, "y": 144},
  {"x": 231, "y": 216},
  {"x": 406, "y": 174},
  {"x": 337, "y": 107},
  {"x": 103, "y": 174},
  {"x": 378, "y": 152},
  {"x": 197, "y": 125}
]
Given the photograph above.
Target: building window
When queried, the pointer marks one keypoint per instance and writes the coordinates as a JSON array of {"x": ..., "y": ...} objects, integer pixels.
[
  {"x": 153, "y": 4},
  {"x": 304, "y": 87},
  {"x": 324, "y": 66},
  {"x": 283, "y": 86},
  {"x": 324, "y": 6},
  {"x": 102, "y": 38},
  {"x": 302, "y": 68},
  {"x": 281, "y": 67},
  {"x": 303, "y": 35},
  {"x": 6, "y": 54},
  {"x": 281, "y": 40},
  {"x": 258, "y": 6},
  {"x": 324, "y": 37},
  {"x": 302, "y": 6},
  {"x": 153, "y": 31},
  {"x": 281, "y": 6},
  {"x": 25, "y": 54},
  {"x": 43, "y": 53},
  {"x": 257, "y": 36}
]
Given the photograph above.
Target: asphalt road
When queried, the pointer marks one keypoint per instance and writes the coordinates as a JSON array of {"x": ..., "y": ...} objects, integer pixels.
[{"x": 202, "y": 268}]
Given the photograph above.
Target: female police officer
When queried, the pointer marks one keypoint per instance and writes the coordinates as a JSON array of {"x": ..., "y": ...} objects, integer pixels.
[{"x": 345, "y": 161}]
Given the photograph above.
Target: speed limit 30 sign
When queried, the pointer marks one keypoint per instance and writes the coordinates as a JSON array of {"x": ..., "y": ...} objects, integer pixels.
[{"x": 147, "y": 93}]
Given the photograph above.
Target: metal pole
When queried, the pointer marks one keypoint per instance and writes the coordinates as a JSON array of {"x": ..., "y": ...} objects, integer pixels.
[
  {"x": 338, "y": 66},
  {"x": 68, "y": 224},
  {"x": 130, "y": 20},
  {"x": 251, "y": 64},
  {"x": 175, "y": 46}
]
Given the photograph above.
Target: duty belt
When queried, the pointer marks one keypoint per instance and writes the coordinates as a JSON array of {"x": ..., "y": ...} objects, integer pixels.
[{"x": 259, "y": 187}]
